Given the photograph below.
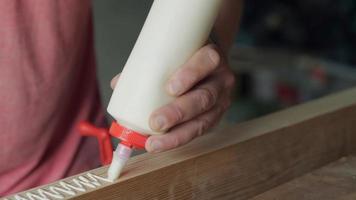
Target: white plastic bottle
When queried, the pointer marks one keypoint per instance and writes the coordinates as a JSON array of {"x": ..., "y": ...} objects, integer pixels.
[{"x": 174, "y": 30}]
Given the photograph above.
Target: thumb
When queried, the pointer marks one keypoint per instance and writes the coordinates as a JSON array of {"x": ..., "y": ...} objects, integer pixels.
[{"x": 114, "y": 81}]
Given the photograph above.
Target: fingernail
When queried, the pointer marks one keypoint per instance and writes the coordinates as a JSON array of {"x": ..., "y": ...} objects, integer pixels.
[
  {"x": 175, "y": 87},
  {"x": 214, "y": 56},
  {"x": 155, "y": 146},
  {"x": 158, "y": 123}
]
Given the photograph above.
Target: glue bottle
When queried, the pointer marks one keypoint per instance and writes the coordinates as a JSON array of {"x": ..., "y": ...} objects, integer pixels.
[{"x": 174, "y": 30}]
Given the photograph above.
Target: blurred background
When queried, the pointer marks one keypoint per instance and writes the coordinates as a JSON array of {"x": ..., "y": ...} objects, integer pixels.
[{"x": 286, "y": 52}]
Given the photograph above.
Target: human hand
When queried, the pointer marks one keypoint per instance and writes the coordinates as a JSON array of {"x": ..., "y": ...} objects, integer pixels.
[{"x": 202, "y": 88}]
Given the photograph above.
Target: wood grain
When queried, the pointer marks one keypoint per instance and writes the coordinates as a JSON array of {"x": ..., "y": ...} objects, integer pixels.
[
  {"x": 243, "y": 160},
  {"x": 337, "y": 181}
]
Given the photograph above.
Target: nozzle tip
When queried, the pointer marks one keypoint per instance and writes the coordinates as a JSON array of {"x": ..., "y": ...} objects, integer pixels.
[
  {"x": 120, "y": 157},
  {"x": 115, "y": 169}
]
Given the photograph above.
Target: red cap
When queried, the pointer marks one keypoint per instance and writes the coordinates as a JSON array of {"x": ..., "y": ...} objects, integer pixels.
[
  {"x": 127, "y": 136},
  {"x": 87, "y": 129}
]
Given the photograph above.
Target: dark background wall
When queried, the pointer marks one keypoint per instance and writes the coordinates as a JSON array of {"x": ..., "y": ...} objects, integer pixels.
[
  {"x": 324, "y": 28},
  {"x": 117, "y": 25}
]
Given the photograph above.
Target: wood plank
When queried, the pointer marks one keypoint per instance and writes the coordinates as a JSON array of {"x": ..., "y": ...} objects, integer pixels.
[
  {"x": 336, "y": 181},
  {"x": 240, "y": 161}
]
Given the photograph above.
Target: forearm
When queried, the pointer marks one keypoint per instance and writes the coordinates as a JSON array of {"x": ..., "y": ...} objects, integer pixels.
[{"x": 227, "y": 24}]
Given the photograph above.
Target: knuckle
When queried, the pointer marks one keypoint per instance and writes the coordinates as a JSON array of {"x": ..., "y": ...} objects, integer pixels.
[
  {"x": 175, "y": 142},
  {"x": 188, "y": 76},
  {"x": 203, "y": 125},
  {"x": 207, "y": 98},
  {"x": 192, "y": 76},
  {"x": 178, "y": 114}
]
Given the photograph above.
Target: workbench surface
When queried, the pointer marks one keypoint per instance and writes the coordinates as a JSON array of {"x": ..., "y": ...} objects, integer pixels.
[{"x": 336, "y": 181}]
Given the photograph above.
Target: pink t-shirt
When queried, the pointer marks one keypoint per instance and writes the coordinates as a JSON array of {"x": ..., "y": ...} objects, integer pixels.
[{"x": 47, "y": 84}]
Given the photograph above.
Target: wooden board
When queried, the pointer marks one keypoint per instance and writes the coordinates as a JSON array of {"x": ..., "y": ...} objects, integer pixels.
[
  {"x": 241, "y": 161},
  {"x": 337, "y": 181}
]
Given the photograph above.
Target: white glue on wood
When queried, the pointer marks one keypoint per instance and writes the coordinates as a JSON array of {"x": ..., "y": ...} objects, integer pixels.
[
  {"x": 174, "y": 30},
  {"x": 64, "y": 189}
]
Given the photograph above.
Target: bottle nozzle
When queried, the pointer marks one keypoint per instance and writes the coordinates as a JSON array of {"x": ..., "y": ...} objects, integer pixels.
[
  {"x": 120, "y": 157},
  {"x": 129, "y": 140}
]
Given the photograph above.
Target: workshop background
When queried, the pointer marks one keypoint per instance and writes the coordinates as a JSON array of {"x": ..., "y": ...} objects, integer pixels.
[{"x": 286, "y": 52}]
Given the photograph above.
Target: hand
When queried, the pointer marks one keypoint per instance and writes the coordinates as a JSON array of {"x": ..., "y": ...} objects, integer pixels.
[{"x": 202, "y": 88}]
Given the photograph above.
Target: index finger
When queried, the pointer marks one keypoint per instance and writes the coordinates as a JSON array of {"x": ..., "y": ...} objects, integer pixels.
[{"x": 205, "y": 61}]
